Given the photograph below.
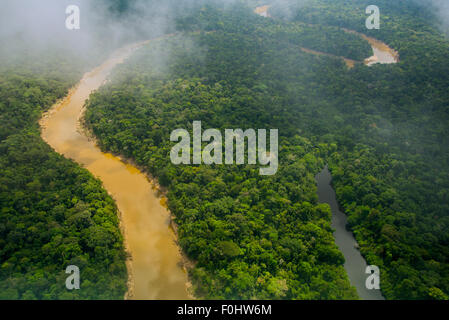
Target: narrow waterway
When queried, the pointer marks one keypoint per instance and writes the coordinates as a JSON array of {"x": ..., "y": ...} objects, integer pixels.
[
  {"x": 349, "y": 62},
  {"x": 382, "y": 53},
  {"x": 355, "y": 264},
  {"x": 155, "y": 266}
]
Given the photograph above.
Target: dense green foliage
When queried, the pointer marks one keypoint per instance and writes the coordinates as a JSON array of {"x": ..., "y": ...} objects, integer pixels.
[
  {"x": 392, "y": 170},
  {"x": 383, "y": 130},
  {"x": 327, "y": 39},
  {"x": 52, "y": 213},
  {"x": 26, "y": 90},
  {"x": 249, "y": 236}
]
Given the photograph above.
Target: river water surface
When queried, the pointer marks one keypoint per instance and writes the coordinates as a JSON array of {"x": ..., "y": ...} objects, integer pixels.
[
  {"x": 355, "y": 264},
  {"x": 155, "y": 268}
]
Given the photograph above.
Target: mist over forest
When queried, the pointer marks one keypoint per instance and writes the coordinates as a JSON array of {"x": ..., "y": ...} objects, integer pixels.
[{"x": 28, "y": 27}]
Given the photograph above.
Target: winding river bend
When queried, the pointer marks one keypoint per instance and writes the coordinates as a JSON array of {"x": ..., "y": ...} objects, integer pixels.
[
  {"x": 382, "y": 53},
  {"x": 355, "y": 264},
  {"x": 155, "y": 266}
]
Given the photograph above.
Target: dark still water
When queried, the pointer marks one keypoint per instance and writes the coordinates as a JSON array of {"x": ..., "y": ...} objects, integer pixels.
[{"x": 355, "y": 264}]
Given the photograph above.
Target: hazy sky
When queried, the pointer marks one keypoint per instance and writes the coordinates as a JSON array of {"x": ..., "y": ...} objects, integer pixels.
[
  {"x": 441, "y": 9},
  {"x": 27, "y": 25}
]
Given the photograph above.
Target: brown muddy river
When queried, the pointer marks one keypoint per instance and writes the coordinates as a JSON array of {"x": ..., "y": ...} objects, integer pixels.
[
  {"x": 155, "y": 268},
  {"x": 382, "y": 53}
]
